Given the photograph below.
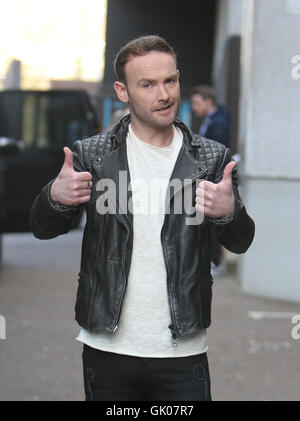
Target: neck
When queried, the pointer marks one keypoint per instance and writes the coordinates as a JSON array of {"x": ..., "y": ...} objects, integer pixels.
[
  {"x": 211, "y": 109},
  {"x": 160, "y": 137}
]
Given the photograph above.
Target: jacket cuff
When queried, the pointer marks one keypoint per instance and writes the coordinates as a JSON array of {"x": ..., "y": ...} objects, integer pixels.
[
  {"x": 223, "y": 221},
  {"x": 59, "y": 207},
  {"x": 228, "y": 219}
]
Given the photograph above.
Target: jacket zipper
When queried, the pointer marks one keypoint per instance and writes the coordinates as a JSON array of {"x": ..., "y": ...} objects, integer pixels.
[
  {"x": 114, "y": 328},
  {"x": 97, "y": 255},
  {"x": 172, "y": 326},
  {"x": 94, "y": 276}
]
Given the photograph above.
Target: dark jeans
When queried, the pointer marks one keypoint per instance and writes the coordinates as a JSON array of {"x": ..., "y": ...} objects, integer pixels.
[{"x": 115, "y": 377}]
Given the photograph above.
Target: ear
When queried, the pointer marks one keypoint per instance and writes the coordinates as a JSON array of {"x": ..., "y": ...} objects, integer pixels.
[
  {"x": 177, "y": 74},
  {"x": 121, "y": 91}
]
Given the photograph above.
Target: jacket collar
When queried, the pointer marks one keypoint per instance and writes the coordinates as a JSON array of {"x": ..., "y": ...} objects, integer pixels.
[
  {"x": 119, "y": 132},
  {"x": 187, "y": 165}
]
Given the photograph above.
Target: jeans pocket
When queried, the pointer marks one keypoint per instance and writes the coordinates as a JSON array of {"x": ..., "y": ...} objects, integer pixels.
[{"x": 201, "y": 374}]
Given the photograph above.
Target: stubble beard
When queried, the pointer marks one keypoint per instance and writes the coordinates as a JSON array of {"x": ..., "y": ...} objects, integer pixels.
[{"x": 148, "y": 119}]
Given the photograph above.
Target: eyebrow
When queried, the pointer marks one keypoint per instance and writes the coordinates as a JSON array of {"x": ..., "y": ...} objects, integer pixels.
[
  {"x": 174, "y": 75},
  {"x": 145, "y": 80}
]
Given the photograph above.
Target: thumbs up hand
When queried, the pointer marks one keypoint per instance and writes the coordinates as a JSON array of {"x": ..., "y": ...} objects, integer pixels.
[
  {"x": 216, "y": 200},
  {"x": 70, "y": 187}
]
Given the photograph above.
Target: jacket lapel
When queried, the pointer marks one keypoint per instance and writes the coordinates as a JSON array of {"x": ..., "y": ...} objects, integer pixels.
[
  {"x": 113, "y": 172},
  {"x": 186, "y": 170}
]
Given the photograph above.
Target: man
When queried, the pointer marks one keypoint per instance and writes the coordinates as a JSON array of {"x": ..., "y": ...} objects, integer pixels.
[
  {"x": 215, "y": 126},
  {"x": 216, "y": 121},
  {"x": 144, "y": 294}
]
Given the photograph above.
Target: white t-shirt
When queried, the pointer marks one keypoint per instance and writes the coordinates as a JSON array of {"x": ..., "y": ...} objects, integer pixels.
[{"x": 145, "y": 316}]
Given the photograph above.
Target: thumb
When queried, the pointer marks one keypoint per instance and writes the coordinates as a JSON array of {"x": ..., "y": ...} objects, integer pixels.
[
  {"x": 228, "y": 172},
  {"x": 68, "y": 163}
]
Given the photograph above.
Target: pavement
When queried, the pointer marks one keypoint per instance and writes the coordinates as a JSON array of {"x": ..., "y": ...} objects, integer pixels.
[{"x": 252, "y": 354}]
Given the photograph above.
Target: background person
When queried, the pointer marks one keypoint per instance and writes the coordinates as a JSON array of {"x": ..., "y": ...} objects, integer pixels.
[{"x": 216, "y": 123}]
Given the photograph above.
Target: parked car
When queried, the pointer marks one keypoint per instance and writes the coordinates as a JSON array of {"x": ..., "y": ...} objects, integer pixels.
[{"x": 34, "y": 128}]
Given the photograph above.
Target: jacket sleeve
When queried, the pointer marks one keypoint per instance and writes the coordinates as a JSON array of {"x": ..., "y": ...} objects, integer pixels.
[
  {"x": 49, "y": 219},
  {"x": 235, "y": 232}
]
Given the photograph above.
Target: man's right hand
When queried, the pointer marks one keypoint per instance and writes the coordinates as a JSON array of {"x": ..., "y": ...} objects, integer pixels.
[{"x": 70, "y": 187}]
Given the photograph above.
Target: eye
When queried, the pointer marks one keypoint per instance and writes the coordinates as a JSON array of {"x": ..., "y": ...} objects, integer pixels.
[
  {"x": 147, "y": 85},
  {"x": 171, "y": 81}
]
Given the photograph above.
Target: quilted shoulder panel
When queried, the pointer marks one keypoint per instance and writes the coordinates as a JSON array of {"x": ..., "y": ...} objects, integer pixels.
[
  {"x": 210, "y": 152},
  {"x": 95, "y": 147}
]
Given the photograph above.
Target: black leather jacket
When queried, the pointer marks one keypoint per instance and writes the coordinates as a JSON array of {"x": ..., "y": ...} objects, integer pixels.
[{"x": 108, "y": 239}]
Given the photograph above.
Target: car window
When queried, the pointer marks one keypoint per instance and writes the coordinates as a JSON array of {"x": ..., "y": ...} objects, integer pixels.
[
  {"x": 44, "y": 119},
  {"x": 61, "y": 120}
]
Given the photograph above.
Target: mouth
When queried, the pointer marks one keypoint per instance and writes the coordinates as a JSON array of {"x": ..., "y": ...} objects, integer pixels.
[{"x": 164, "y": 109}]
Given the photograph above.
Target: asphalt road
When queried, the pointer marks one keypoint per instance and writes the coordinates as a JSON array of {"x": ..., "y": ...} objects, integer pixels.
[{"x": 252, "y": 355}]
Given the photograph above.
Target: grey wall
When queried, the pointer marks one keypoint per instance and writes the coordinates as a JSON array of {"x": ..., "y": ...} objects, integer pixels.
[
  {"x": 269, "y": 136},
  {"x": 271, "y": 266},
  {"x": 272, "y": 116},
  {"x": 228, "y": 23},
  {"x": 226, "y": 66}
]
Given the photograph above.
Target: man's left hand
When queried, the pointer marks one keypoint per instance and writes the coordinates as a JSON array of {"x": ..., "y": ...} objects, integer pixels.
[{"x": 216, "y": 200}]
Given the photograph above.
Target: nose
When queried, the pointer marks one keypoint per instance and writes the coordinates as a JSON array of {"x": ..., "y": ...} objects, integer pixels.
[{"x": 163, "y": 94}]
